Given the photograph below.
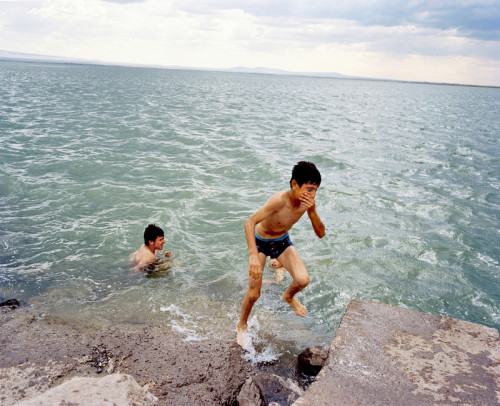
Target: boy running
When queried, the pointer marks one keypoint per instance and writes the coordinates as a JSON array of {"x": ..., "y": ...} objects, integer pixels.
[{"x": 270, "y": 238}]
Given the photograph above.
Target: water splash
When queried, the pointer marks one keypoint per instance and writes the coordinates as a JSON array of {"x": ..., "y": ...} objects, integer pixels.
[{"x": 256, "y": 351}]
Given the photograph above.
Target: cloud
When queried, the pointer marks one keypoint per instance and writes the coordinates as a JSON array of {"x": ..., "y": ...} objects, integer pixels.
[
  {"x": 125, "y": 1},
  {"x": 475, "y": 18},
  {"x": 376, "y": 38}
]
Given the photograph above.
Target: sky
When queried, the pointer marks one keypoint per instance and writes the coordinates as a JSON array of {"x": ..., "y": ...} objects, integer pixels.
[{"x": 451, "y": 41}]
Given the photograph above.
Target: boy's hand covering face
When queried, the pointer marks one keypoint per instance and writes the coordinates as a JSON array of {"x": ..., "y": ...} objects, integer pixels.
[
  {"x": 307, "y": 199},
  {"x": 308, "y": 194}
]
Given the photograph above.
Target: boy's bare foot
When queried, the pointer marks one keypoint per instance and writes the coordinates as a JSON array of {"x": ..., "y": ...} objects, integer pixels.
[
  {"x": 241, "y": 330},
  {"x": 298, "y": 308},
  {"x": 275, "y": 263}
]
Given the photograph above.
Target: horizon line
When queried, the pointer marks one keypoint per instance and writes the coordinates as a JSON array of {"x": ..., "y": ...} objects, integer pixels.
[{"x": 37, "y": 58}]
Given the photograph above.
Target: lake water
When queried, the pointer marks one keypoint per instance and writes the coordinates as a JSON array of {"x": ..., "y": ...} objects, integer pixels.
[{"x": 91, "y": 154}]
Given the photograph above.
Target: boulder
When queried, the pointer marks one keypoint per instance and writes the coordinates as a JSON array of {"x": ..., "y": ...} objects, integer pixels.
[
  {"x": 311, "y": 360},
  {"x": 268, "y": 389},
  {"x": 115, "y": 389},
  {"x": 12, "y": 303},
  {"x": 390, "y": 356}
]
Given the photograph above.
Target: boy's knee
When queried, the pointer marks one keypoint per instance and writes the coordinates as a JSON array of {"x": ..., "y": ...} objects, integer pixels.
[
  {"x": 303, "y": 281},
  {"x": 253, "y": 295}
]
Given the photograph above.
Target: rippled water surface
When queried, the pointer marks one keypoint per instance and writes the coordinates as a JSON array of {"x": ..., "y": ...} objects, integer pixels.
[{"x": 90, "y": 155}]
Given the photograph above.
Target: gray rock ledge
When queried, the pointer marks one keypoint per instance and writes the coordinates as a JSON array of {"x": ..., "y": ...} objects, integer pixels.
[
  {"x": 384, "y": 355},
  {"x": 112, "y": 390}
]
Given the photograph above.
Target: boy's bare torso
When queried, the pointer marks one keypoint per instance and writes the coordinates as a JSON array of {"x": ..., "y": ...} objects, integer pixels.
[
  {"x": 282, "y": 218},
  {"x": 142, "y": 256}
]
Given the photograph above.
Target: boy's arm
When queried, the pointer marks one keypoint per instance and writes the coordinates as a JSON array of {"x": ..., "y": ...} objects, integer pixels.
[
  {"x": 316, "y": 222},
  {"x": 318, "y": 226},
  {"x": 272, "y": 205}
]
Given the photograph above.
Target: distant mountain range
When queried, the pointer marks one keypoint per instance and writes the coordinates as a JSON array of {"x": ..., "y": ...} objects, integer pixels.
[
  {"x": 23, "y": 57},
  {"x": 267, "y": 71},
  {"x": 19, "y": 56}
]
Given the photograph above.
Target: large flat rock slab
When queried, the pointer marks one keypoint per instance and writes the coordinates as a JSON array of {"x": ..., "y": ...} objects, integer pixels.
[
  {"x": 111, "y": 390},
  {"x": 384, "y": 355}
]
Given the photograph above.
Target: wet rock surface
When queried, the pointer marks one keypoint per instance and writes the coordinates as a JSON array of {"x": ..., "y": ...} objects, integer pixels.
[
  {"x": 381, "y": 355},
  {"x": 39, "y": 353}
]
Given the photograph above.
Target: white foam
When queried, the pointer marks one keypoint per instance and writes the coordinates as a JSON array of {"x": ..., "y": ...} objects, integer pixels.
[
  {"x": 342, "y": 299},
  {"x": 480, "y": 300},
  {"x": 33, "y": 268},
  {"x": 189, "y": 334},
  {"x": 170, "y": 308},
  {"x": 183, "y": 323},
  {"x": 487, "y": 259},
  {"x": 429, "y": 257},
  {"x": 255, "y": 352}
]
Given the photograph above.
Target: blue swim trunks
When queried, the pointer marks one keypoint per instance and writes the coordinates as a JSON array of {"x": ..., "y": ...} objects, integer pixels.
[{"x": 273, "y": 247}]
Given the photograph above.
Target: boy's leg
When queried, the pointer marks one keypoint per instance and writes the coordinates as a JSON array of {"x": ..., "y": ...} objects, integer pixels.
[
  {"x": 292, "y": 262},
  {"x": 253, "y": 293}
]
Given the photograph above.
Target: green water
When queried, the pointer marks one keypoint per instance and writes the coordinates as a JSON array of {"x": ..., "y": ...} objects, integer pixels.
[{"x": 90, "y": 155}]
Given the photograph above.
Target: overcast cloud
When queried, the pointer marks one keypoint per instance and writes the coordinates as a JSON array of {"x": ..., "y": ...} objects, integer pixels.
[{"x": 442, "y": 40}]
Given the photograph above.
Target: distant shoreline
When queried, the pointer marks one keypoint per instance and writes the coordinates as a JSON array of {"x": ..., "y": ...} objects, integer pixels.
[{"x": 41, "y": 59}]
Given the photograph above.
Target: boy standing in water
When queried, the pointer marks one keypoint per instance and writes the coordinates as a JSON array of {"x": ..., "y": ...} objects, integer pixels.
[
  {"x": 154, "y": 239},
  {"x": 270, "y": 238}
]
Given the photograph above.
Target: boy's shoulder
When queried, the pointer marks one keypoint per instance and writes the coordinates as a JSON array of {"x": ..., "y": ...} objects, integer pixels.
[
  {"x": 279, "y": 199},
  {"x": 281, "y": 195},
  {"x": 143, "y": 253}
]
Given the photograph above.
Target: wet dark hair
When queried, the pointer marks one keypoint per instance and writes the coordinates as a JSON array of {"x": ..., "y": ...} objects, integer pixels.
[
  {"x": 305, "y": 172},
  {"x": 151, "y": 233}
]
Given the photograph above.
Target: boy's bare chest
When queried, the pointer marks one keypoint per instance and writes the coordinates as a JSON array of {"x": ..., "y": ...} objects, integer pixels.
[{"x": 288, "y": 216}]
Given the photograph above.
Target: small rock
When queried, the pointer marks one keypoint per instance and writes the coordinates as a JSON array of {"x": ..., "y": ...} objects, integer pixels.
[
  {"x": 101, "y": 358},
  {"x": 111, "y": 366},
  {"x": 12, "y": 303},
  {"x": 312, "y": 359},
  {"x": 266, "y": 389},
  {"x": 250, "y": 394}
]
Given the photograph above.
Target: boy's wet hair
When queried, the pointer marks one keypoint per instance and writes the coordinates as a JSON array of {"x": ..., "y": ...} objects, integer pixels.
[
  {"x": 305, "y": 172},
  {"x": 151, "y": 233}
]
